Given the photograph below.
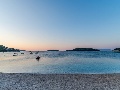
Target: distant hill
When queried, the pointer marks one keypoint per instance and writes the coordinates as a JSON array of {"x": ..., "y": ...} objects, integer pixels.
[
  {"x": 84, "y": 49},
  {"x": 6, "y": 49},
  {"x": 52, "y": 50}
]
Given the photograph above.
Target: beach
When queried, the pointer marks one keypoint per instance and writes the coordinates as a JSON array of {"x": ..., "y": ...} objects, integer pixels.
[{"x": 36, "y": 81}]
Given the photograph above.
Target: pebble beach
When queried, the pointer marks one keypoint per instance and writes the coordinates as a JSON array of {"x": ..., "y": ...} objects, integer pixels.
[{"x": 29, "y": 81}]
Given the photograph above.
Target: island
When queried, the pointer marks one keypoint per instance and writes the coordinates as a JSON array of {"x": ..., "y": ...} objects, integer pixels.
[
  {"x": 6, "y": 49},
  {"x": 116, "y": 50},
  {"x": 52, "y": 50},
  {"x": 84, "y": 49}
]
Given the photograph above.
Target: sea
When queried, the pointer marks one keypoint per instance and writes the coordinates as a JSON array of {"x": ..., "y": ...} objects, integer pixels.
[{"x": 61, "y": 62}]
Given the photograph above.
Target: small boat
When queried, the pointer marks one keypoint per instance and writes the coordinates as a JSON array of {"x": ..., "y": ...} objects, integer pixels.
[
  {"x": 22, "y": 53},
  {"x": 37, "y": 57},
  {"x": 15, "y": 54},
  {"x": 31, "y": 52}
]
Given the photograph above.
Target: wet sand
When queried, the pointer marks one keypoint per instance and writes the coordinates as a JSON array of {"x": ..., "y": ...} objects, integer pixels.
[{"x": 26, "y": 81}]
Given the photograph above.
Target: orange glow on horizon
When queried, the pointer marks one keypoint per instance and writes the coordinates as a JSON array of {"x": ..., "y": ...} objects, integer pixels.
[{"x": 45, "y": 47}]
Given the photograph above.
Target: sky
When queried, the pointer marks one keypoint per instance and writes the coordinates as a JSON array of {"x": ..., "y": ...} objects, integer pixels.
[{"x": 60, "y": 24}]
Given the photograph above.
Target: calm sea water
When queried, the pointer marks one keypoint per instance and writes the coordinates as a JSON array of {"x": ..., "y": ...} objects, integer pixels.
[{"x": 61, "y": 62}]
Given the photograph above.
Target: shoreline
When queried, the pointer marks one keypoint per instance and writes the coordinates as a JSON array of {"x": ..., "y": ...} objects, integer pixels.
[{"x": 36, "y": 81}]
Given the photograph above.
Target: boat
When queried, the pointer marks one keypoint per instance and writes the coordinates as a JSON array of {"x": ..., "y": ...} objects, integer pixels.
[
  {"x": 15, "y": 54},
  {"x": 30, "y": 52},
  {"x": 38, "y": 57}
]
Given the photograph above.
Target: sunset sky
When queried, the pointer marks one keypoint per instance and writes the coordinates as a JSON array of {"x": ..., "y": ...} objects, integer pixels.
[{"x": 59, "y": 24}]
